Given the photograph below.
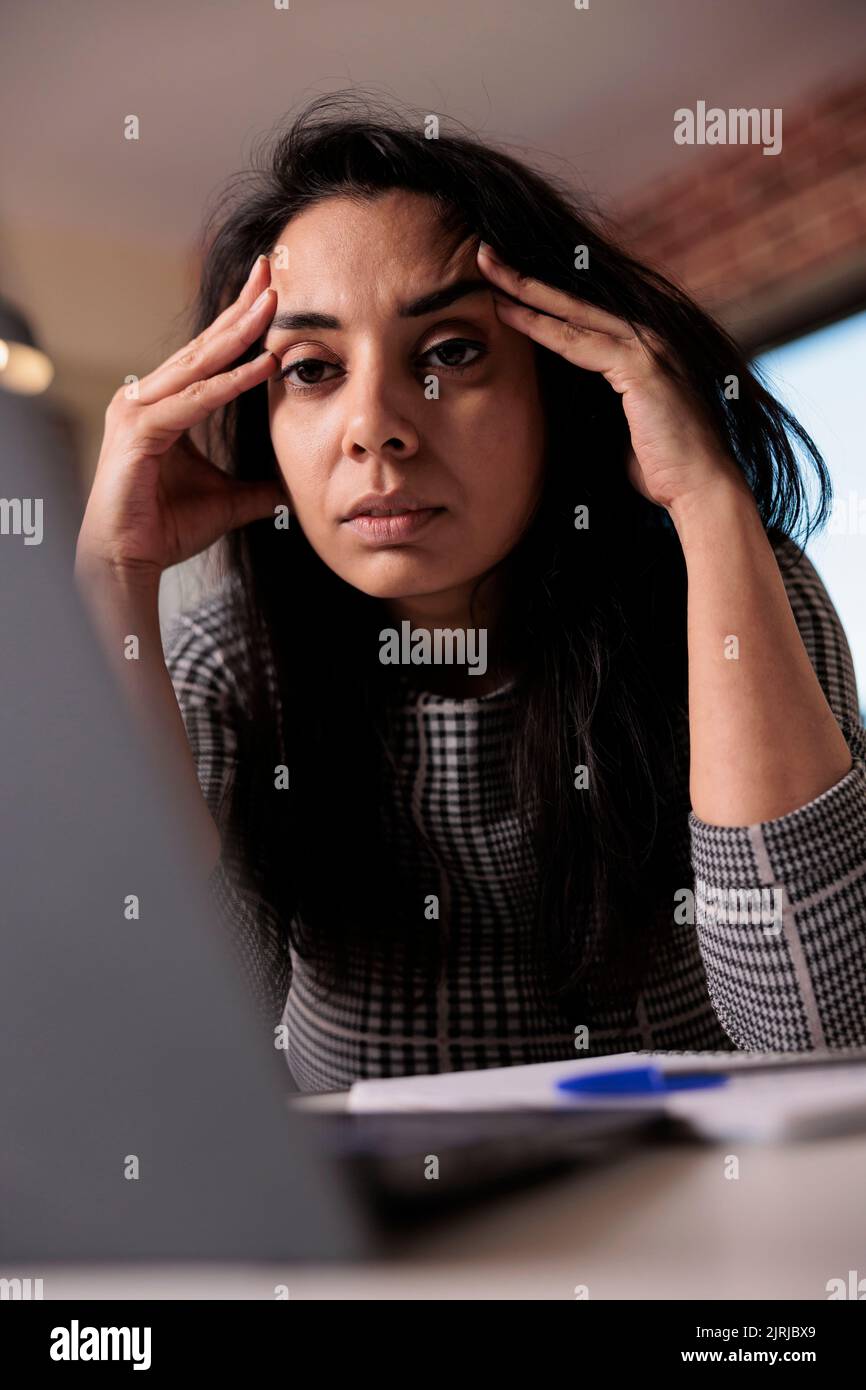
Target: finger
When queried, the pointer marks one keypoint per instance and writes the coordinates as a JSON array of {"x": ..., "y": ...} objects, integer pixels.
[
  {"x": 254, "y": 502},
  {"x": 257, "y": 281},
  {"x": 556, "y": 302},
  {"x": 165, "y": 418},
  {"x": 215, "y": 352},
  {"x": 596, "y": 352}
]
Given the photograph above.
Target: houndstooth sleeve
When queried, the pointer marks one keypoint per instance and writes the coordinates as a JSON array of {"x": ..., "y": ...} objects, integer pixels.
[
  {"x": 793, "y": 978},
  {"x": 211, "y": 705}
]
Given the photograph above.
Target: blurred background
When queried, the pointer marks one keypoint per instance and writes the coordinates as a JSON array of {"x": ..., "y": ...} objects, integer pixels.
[{"x": 98, "y": 232}]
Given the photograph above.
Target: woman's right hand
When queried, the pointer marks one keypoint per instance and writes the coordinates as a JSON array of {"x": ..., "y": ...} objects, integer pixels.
[{"x": 156, "y": 500}]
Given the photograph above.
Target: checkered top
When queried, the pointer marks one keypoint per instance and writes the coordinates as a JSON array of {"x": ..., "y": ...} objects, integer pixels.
[{"x": 712, "y": 985}]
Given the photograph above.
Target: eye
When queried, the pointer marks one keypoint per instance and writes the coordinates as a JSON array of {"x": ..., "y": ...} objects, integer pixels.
[
  {"x": 305, "y": 365},
  {"x": 451, "y": 346}
]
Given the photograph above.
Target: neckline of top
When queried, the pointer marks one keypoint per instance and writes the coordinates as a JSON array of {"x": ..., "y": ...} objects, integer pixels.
[{"x": 414, "y": 695}]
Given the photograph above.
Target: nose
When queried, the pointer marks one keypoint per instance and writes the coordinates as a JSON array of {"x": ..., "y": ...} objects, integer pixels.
[{"x": 377, "y": 428}]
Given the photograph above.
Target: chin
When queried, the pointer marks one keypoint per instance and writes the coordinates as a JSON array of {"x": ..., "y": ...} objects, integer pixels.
[{"x": 395, "y": 575}]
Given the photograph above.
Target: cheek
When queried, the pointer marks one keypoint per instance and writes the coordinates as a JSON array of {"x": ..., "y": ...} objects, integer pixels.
[
  {"x": 502, "y": 412},
  {"x": 501, "y": 496},
  {"x": 499, "y": 452},
  {"x": 301, "y": 454}
]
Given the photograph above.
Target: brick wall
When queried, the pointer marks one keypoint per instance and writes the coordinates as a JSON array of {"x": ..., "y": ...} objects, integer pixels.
[{"x": 771, "y": 244}]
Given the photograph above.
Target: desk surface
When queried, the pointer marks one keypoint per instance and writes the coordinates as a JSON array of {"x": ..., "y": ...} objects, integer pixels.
[{"x": 664, "y": 1222}]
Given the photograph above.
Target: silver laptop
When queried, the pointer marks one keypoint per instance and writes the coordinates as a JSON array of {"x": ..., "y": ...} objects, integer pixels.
[{"x": 139, "y": 1113}]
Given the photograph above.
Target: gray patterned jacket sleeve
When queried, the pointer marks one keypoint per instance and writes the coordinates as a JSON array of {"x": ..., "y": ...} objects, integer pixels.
[
  {"x": 797, "y": 981},
  {"x": 201, "y": 673}
]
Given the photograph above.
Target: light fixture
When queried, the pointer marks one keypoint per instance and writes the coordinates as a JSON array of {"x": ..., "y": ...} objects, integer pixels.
[{"x": 24, "y": 368}]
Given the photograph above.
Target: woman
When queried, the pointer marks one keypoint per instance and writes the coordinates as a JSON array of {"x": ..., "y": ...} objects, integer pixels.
[{"x": 635, "y": 815}]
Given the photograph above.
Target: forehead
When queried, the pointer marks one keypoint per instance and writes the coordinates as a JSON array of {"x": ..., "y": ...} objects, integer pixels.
[{"x": 390, "y": 247}]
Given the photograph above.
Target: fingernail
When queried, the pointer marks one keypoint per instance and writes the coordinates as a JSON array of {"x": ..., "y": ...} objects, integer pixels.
[
  {"x": 254, "y": 266},
  {"x": 488, "y": 249},
  {"x": 260, "y": 301}
]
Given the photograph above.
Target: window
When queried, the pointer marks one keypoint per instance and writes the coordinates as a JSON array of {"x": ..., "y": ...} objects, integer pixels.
[{"x": 821, "y": 378}]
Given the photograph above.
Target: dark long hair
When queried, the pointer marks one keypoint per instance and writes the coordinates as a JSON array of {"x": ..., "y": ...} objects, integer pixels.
[{"x": 597, "y": 617}]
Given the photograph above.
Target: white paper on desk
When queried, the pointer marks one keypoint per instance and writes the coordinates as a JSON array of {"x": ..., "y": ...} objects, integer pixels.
[
  {"x": 492, "y": 1088},
  {"x": 790, "y": 1103}
]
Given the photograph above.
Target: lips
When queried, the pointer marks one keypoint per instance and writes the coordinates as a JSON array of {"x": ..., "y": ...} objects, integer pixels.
[
  {"x": 394, "y": 529},
  {"x": 396, "y": 503},
  {"x": 390, "y": 511}
]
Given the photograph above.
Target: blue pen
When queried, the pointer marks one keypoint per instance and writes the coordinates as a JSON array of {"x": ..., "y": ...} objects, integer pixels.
[{"x": 638, "y": 1081}]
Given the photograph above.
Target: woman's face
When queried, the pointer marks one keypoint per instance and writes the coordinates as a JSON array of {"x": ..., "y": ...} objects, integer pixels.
[{"x": 357, "y": 424}]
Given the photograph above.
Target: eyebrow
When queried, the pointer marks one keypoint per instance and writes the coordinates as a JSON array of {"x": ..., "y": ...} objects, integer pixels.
[{"x": 416, "y": 308}]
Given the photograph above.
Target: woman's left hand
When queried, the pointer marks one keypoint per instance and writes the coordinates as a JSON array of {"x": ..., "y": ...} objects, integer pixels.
[{"x": 674, "y": 451}]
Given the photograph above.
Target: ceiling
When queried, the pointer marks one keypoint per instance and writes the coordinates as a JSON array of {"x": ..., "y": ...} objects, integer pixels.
[
  {"x": 91, "y": 223},
  {"x": 596, "y": 87}
]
